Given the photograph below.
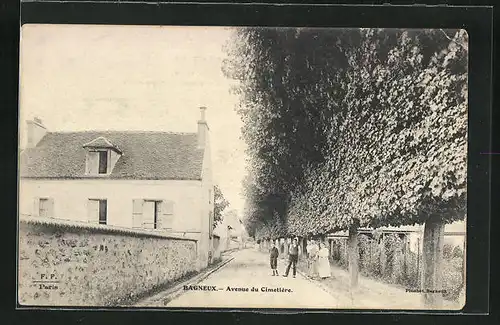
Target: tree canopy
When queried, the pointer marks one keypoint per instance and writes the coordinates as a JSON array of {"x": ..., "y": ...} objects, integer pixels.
[
  {"x": 220, "y": 204},
  {"x": 364, "y": 124}
]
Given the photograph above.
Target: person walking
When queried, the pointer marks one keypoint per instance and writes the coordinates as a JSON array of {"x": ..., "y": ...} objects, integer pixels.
[
  {"x": 293, "y": 257},
  {"x": 313, "y": 259},
  {"x": 308, "y": 253},
  {"x": 273, "y": 256},
  {"x": 324, "y": 269}
]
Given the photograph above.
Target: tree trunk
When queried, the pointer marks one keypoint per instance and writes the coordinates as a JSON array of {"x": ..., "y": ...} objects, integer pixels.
[
  {"x": 304, "y": 247},
  {"x": 353, "y": 253},
  {"x": 383, "y": 257},
  {"x": 403, "y": 257},
  {"x": 419, "y": 274},
  {"x": 432, "y": 262},
  {"x": 299, "y": 247},
  {"x": 346, "y": 252}
]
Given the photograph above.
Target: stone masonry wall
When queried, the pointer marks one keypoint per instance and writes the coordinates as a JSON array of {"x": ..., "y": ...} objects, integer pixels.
[{"x": 83, "y": 265}]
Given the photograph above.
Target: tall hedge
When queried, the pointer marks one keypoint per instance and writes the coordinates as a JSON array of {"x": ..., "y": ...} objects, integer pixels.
[
  {"x": 401, "y": 155},
  {"x": 364, "y": 124}
]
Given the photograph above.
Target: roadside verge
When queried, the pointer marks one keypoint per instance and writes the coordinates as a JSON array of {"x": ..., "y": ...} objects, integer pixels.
[{"x": 163, "y": 298}]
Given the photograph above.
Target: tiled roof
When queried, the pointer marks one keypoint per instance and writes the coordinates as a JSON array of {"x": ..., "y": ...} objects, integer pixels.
[{"x": 146, "y": 155}]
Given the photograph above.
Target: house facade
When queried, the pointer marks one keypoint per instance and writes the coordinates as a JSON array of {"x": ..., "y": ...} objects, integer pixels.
[
  {"x": 161, "y": 181},
  {"x": 230, "y": 232}
]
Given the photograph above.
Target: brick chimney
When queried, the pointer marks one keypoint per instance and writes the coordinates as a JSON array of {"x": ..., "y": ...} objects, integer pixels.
[
  {"x": 36, "y": 131},
  {"x": 202, "y": 129}
]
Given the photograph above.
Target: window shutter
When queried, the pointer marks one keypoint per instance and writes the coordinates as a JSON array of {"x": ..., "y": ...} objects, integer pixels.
[
  {"x": 103, "y": 212},
  {"x": 137, "y": 206},
  {"x": 103, "y": 162},
  {"x": 108, "y": 167},
  {"x": 167, "y": 214},
  {"x": 93, "y": 211},
  {"x": 92, "y": 162},
  {"x": 148, "y": 214},
  {"x": 89, "y": 210},
  {"x": 50, "y": 211},
  {"x": 36, "y": 207},
  {"x": 159, "y": 215}
]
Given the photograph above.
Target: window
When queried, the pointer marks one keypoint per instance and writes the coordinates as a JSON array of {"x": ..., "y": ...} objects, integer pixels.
[
  {"x": 156, "y": 215},
  {"x": 103, "y": 162},
  {"x": 102, "y": 156},
  {"x": 45, "y": 207},
  {"x": 97, "y": 162},
  {"x": 103, "y": 211},
  {"x": 151, "y": 214},
  {"x": 98, "y": 211}
]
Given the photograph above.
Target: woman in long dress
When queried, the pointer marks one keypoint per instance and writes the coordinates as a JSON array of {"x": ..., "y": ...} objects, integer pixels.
[
  {"x": 323, "y": 262},
  {"x": 312, "y": 251},
  {"x": 308, "y": 256}
]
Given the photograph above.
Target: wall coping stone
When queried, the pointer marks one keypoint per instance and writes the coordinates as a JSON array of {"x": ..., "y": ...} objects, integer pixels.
[{"x": 80, "y": 226}]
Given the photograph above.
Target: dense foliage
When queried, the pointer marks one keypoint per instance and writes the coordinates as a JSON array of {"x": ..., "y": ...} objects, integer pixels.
[
  {"x": 220, "y": 204},
  {"x": 352, "y": 124}
]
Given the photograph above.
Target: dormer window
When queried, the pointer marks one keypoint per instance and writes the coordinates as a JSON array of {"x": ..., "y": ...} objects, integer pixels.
[
  {"x": 97, "y": 162},
  {"x": 101, "y": 157},
  {"x": 103, "y": 162}
]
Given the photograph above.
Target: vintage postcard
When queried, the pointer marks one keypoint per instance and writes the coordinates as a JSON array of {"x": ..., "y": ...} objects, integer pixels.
[{"x": 231, "y": 167}]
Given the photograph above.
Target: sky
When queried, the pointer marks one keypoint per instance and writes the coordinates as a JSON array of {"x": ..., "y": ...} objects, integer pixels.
[{"x": 152, "y": 78}]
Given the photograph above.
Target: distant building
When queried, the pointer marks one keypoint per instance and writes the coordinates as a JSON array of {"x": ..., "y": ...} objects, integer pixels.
[
  {"x": 230, "y": 231},
  {"x": 454, "y": 234},
  {"x": 160, "y": 181}
]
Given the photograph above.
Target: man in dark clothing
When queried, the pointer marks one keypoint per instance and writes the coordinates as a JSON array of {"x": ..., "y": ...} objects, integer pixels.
[
  {"x": 274, "y": 259},
  {"x": 293, "y": 256}
]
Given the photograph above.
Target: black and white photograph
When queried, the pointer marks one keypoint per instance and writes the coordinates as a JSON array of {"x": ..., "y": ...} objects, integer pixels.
[{"x": 242, "y": 167}]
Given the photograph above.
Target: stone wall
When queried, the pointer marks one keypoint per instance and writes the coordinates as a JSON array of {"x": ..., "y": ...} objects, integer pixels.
[{"x": 71, "y": 264}]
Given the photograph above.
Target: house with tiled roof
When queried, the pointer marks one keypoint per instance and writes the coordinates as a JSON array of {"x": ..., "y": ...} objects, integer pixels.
[{"x": 161, "y": 181}]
